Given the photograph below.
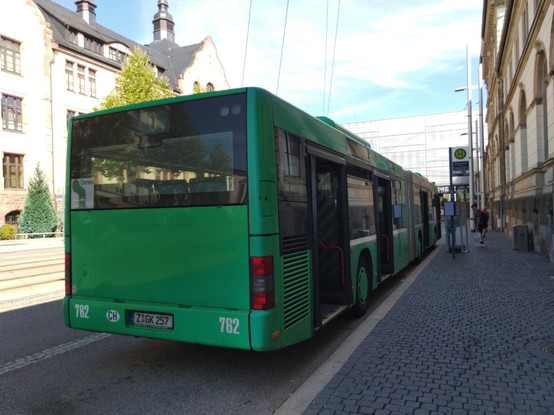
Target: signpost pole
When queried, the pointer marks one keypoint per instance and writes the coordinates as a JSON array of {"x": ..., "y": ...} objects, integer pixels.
[{"x": 451, "y": 229}]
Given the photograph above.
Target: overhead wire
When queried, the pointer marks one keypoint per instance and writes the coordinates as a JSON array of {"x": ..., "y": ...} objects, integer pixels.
[
  {"x": 246, "y": 44},
  {"x": 325, "y": 95},
  {"x": 282, "y": 48},
  {"x": 325, "y": 58},
  {"x": 333, "y": 61}
]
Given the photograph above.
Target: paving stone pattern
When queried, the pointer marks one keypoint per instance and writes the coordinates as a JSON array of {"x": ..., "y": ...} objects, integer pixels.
[{"x": 472, "y": 335}]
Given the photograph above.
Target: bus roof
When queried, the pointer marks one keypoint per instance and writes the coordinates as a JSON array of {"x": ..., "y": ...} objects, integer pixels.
[
  {"x": 343, "y": 130},
  {"x": 359, "y": 148}
]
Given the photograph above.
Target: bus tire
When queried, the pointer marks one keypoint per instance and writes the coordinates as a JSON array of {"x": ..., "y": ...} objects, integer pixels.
[{"x": 363, "y": 287}]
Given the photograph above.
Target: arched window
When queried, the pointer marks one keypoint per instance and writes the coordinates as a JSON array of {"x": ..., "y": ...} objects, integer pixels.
[
  {"x": 541, "y": 100},
  {"x": 525, "y": 22},
  {"x": 523, "y": 132},
  {"x": 504, "y": 151},
  {"x": 551, "y": 54},
  {"x": 12, "y": 217},
  {"x": 545, "y": 109},
  {"x": 512, "y": 140},
  {"x": 210, "y": 87}
]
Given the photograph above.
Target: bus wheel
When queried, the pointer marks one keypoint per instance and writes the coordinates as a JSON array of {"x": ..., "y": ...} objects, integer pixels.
[{"x": 363, "y": 284}]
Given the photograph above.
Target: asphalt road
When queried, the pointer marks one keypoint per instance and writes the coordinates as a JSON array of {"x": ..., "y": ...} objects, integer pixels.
[{"x": 46, "y": 368}]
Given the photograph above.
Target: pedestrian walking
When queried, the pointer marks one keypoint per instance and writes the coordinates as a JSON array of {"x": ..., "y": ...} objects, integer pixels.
[{"x": 483, "y": 224}]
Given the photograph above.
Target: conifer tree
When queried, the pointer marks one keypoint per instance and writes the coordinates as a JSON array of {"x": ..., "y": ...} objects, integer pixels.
[{"x": 38, "y": 214}]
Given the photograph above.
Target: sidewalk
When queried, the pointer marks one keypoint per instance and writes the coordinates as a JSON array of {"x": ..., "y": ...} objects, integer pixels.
[
  {"x": 27, "y": 244},
  {"x": 36, "y": 280},
  {"x": 471, "y": 335}
]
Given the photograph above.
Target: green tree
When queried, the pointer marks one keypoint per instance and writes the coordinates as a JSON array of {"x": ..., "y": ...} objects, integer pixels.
[
  {"x": 197, "y": 89},
  {"x": 220, "y": 161},
  {"x": 137, "y": 82},
  {"x": 38, "y": 214}
]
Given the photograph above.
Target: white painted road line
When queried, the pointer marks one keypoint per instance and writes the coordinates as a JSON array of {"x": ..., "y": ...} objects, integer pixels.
[{"x": 48, "y": 353}]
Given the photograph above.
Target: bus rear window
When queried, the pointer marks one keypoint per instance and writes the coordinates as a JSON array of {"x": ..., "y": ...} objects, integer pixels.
[{"x": 189, "y": 153}]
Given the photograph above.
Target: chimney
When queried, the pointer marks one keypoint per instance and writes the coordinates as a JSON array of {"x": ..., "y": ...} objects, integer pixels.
[
  {"x": 163, "y": 23},
  {"x": 87, "y": 10}
]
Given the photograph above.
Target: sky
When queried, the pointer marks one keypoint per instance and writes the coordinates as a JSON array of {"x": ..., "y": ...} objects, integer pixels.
[{"x": 350, "y": 60}]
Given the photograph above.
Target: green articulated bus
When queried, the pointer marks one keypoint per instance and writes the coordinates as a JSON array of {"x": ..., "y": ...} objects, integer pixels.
[{"x": 232, "y": 219}]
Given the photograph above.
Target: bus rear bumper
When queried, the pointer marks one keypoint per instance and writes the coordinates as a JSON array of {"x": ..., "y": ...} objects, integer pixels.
[{"x": 202, "y": 325}]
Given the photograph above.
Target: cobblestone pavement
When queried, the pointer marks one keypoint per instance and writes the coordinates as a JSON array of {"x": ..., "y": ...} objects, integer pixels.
[{"x": 472, "y": 335}]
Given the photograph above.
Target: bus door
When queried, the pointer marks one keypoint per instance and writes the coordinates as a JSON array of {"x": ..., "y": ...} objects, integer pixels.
[
  {"x": 384, "y": 227},
  {"x": 331, "y": 245},
  {"x": 438, "y": 221},
  {"x": 424, "y": 203}
]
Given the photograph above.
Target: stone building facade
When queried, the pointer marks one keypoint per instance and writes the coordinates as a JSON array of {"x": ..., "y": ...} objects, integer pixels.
[
  {"x": 518, "y": 66},
  {"x": 56, "y": 63}
]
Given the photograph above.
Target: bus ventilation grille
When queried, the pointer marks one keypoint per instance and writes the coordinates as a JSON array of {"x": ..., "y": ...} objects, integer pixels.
[
  {"x": 296, "y": 282},
  {"x": 293, "y": 244}
]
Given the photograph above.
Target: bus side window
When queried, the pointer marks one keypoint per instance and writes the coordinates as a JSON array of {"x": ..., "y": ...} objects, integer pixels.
[{"x": 360, "y": 207}]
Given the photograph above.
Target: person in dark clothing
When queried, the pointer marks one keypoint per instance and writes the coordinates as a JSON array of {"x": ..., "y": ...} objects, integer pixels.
[
  {"x": 483, "y": 223},
  {"x": 475, "y": 217}
]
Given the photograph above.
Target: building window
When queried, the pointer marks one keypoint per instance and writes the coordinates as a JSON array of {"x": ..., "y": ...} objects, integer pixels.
[
  {"x": 69, "y": 76},
  {"x": 12, "y": 217},
  {"x": 72, "y": 36},
  {"x": 525, "y": 22},
  {"x": 210, "y": 87},
  {"x": 10, "y": 56},
  {"x": 11, "y": 113},
  {"x": 93, "y": 45},
  {"x": 92, "y": 82},
  {"x": 117, "y": 55},
  {"x": 13, "y": 171},
  {"x": 81, "y": 79},
  {"x": 70, "y": 114}
]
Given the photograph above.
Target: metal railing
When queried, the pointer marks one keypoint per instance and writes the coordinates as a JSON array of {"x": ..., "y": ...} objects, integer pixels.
[{"x": 38, "y": 234}]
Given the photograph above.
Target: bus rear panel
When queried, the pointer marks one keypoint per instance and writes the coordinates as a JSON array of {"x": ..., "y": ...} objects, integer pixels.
[{"x": 157, "y": 228}]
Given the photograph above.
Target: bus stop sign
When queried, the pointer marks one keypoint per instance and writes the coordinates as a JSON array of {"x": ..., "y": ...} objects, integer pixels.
[{"x": 459, "y": 165}]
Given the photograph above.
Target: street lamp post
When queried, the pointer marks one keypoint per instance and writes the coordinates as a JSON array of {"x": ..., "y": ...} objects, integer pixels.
[
  {"x": 469, "y": 134},
  {"x": 479, "y": 142}
]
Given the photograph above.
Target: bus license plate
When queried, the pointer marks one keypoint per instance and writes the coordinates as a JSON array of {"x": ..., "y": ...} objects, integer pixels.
[{"x": 159, "y": 321}]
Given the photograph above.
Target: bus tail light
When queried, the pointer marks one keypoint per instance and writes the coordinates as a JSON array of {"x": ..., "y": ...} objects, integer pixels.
[
  {"x": 262, "y": 280},
  {"x": 67, "y": 273}
]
